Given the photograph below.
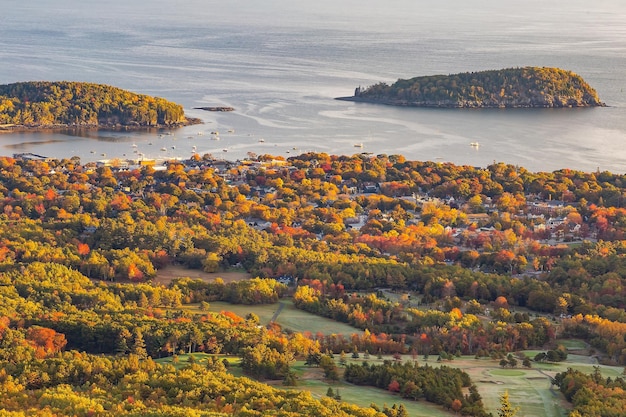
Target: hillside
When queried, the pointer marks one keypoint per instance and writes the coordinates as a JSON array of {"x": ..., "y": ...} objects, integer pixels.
[
  {"x": 497, "y": 281},
  {"x": 505, "y": 88},
  {"x": 40, "y": 104}
]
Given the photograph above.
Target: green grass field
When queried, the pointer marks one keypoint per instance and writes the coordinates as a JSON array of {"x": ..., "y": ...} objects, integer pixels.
[
  {"x": 290, "y": 318},
  {"x": 528, "y": 389},
  {"x": 508, "y": 372},
  {"x": 572, "y": 344}
]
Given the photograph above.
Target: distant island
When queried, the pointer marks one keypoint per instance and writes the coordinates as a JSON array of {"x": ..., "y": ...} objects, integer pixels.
[
  {"x": 528, "y": 87},
  {"x": 218, "y": 108},
  {"x": 45, "y": 105}
]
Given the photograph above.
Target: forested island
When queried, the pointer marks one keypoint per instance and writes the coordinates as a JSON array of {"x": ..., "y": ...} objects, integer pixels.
[
  {"x": 527, "y": 87},
  {"x": 44, "y": 105},
  {"x": 436, "y": 283}
]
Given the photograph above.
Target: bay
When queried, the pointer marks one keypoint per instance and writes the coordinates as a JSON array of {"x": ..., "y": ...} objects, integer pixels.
[{"x": 281, "y": 63}]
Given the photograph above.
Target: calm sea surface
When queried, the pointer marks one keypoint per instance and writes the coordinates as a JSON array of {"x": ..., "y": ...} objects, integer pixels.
[{"x": 280, "y": 63}]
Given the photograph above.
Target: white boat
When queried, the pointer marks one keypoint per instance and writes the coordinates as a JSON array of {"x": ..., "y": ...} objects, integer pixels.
[
  {"x": 358, "y": 145},
  {"x": 163, "y": 149},
  {"x": 474, "y": 144},
  {"x": 261, "y": 140}
]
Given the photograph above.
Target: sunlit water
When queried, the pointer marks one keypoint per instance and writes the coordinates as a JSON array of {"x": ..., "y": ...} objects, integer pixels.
[{"x": 280, "y": 63}]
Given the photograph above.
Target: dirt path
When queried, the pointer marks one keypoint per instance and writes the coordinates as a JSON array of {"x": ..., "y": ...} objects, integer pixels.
[
  {"x": 166, "y": 275},
  {"x": 275, "y": 316}
]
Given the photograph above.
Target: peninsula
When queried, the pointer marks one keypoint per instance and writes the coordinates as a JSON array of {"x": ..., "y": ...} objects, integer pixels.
[
  {"x": 44, "y": 105},
  {"x": 527, "y": 87}
]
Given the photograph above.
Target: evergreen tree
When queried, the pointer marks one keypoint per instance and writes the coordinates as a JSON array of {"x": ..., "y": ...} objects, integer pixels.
[
  {"x": 337, "y": 395},
  {"x": 290, "y": 379},
  {"x": 139, "y": 345},
  {"x": 121, "y": 347}
]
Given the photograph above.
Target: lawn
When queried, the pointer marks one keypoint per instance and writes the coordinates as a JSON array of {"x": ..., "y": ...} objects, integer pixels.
[
  {"x": 572, "y": 344},
  {"x": 200, "y": 358},
  {"x": 290, "y": 318},
  {"x": 300, "y": 321},
  {"x": 166, "y": 275},
  {"x": 508, "y": 372},
  {"x": 528, "y": 389}
]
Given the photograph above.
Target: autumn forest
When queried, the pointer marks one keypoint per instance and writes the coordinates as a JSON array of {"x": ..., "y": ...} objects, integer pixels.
[{"x": 422, "y": 259}]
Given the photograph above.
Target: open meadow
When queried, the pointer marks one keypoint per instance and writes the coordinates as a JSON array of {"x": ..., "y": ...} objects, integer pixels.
[
  {"x": 166, "y": 275},
  {"x": 283, "y": 313}
]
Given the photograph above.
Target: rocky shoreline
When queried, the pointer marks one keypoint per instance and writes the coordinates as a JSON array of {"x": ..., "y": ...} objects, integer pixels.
[
  {"x": 556, "y": 104},
  {"x": 13, "y": 128}
]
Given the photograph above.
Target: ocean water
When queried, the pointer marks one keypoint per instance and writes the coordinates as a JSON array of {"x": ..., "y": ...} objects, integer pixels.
[{"x": 281, "y": 63}]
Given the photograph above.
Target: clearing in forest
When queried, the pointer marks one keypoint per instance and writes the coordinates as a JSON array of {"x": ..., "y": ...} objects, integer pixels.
[{"x": 166, "y": 275}]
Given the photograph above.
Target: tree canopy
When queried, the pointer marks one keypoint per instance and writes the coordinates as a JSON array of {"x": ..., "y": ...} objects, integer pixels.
[
  {"x": 511, "y": 87},
  {"x": 45, "y": 104}
]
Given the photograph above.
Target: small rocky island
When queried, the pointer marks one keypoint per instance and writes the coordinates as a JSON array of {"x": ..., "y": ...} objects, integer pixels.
[
  {"x": 47, "y": 105},
  {"x": 528, "y": 87},
  {"x": 216, "y": 108}
]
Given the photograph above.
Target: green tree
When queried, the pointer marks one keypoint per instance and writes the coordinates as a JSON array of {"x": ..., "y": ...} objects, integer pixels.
[{"x": 139, "y": 345}]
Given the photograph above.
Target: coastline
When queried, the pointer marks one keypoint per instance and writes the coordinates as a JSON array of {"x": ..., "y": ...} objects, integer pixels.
[
  {"x": 464, "y": 105},
  {"x": 13, "y": 128}
]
